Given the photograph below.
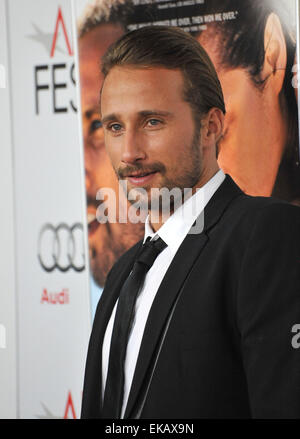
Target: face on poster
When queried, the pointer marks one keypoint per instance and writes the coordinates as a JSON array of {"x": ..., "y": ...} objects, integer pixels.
[{"x": 253, "y": 47}]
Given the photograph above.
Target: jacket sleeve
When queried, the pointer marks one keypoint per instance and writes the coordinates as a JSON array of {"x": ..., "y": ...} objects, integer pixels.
[{"x": 268, "y": 309}]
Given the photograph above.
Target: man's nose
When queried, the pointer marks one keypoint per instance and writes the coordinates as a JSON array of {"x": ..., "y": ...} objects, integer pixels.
[{"x": 132, "y": 148}]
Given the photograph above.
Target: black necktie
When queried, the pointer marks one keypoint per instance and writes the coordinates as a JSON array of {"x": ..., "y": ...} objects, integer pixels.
[{"x": 113, "y": 396}]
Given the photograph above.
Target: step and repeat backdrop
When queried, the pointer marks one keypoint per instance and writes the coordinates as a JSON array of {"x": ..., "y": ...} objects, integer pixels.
[
  {"x": 53, "y": 162},
  {"x": 50, "y": 297}
]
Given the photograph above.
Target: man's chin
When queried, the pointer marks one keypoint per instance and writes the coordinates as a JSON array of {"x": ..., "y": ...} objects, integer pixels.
[
  {"x": 99, "y": 265},
  {"x": 98, "y": 274},
  {"x": 102, "y": 259}
]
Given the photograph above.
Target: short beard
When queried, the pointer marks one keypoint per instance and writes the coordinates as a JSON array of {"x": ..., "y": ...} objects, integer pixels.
[{"x": 191, "y": 167}]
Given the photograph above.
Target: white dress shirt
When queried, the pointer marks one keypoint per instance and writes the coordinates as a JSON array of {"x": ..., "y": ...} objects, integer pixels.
[{"x": 173, "y": 232}]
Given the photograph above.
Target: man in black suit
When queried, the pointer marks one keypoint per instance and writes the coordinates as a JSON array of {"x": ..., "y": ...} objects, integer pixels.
[{"x": 212, "y": 327}]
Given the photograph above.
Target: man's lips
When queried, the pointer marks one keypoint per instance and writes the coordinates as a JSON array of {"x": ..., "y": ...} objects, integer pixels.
[{"x": 140, "y": 178}]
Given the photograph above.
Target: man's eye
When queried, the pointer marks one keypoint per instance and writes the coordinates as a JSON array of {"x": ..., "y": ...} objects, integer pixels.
[
  {"x": 96, "y": 124},
  {"x": 115, "y": 127},
  {"x": 153, "y": 122}
]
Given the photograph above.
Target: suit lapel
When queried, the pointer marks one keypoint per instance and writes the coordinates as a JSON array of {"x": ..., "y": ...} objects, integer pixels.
[
  {"x": 112, "y": 288},
  {"x": 179, "y": 269}
]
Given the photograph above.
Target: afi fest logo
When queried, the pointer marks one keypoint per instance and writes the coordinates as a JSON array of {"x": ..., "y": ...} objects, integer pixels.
[
  {"x": 69, "y": 410},
  {"x": 54, "y": 82},
  {"x": 60, "y": 20}
]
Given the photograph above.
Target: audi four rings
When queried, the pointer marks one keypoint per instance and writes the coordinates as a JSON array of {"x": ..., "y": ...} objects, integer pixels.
[{"x": 61, "y": 247}]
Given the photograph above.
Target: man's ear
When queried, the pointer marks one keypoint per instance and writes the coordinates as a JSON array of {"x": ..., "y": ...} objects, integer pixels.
[
  {"x": 212, "y": 127},
  {"x": 275, "y": 53}
]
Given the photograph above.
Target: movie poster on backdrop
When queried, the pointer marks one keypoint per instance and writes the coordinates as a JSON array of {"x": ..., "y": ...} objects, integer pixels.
[
  {"x": 253, "y": 47},
  {"x": 53, "y": 307}
]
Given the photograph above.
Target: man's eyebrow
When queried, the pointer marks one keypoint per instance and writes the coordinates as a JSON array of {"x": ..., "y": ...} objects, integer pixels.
[
  {"x": 92, "y": 110},
  {"x": 143, "y": 113},
  {"x": 146, "y": 113},
  {"x": 108, "y": 118}
]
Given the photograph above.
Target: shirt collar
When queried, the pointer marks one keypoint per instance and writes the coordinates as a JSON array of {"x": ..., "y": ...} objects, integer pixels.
[{"x": 175, "y": 229}]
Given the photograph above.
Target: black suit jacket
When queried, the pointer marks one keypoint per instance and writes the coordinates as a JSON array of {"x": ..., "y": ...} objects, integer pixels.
[{"x": 225, "y": 349}]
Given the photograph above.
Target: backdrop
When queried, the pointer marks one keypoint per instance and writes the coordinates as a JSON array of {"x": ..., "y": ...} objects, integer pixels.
[
  {"x": 51, "y": 309},
  {"x": 260, "y": 145}
]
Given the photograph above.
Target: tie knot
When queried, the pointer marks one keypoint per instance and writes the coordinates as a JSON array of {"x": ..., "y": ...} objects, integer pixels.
[{"x": 150, "y": 250}]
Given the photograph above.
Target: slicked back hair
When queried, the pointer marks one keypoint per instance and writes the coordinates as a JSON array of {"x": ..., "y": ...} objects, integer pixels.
[{"x": 171, "y": 48}]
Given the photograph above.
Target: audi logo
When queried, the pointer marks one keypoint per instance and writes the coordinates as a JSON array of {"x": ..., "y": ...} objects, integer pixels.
[{"x": 61, "y": 247}]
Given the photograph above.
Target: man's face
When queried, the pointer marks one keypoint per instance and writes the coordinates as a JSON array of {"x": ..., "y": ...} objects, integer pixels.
[
  {"x": 254, "y": 129},
  {"x": 149, "y": 129},
  {"x": 106, "y": 241}
]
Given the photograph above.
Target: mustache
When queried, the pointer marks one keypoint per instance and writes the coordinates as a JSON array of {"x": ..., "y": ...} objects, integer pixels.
[
  {"x": 138, "y": 167},
  {"x": 124, "y": 172}
]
